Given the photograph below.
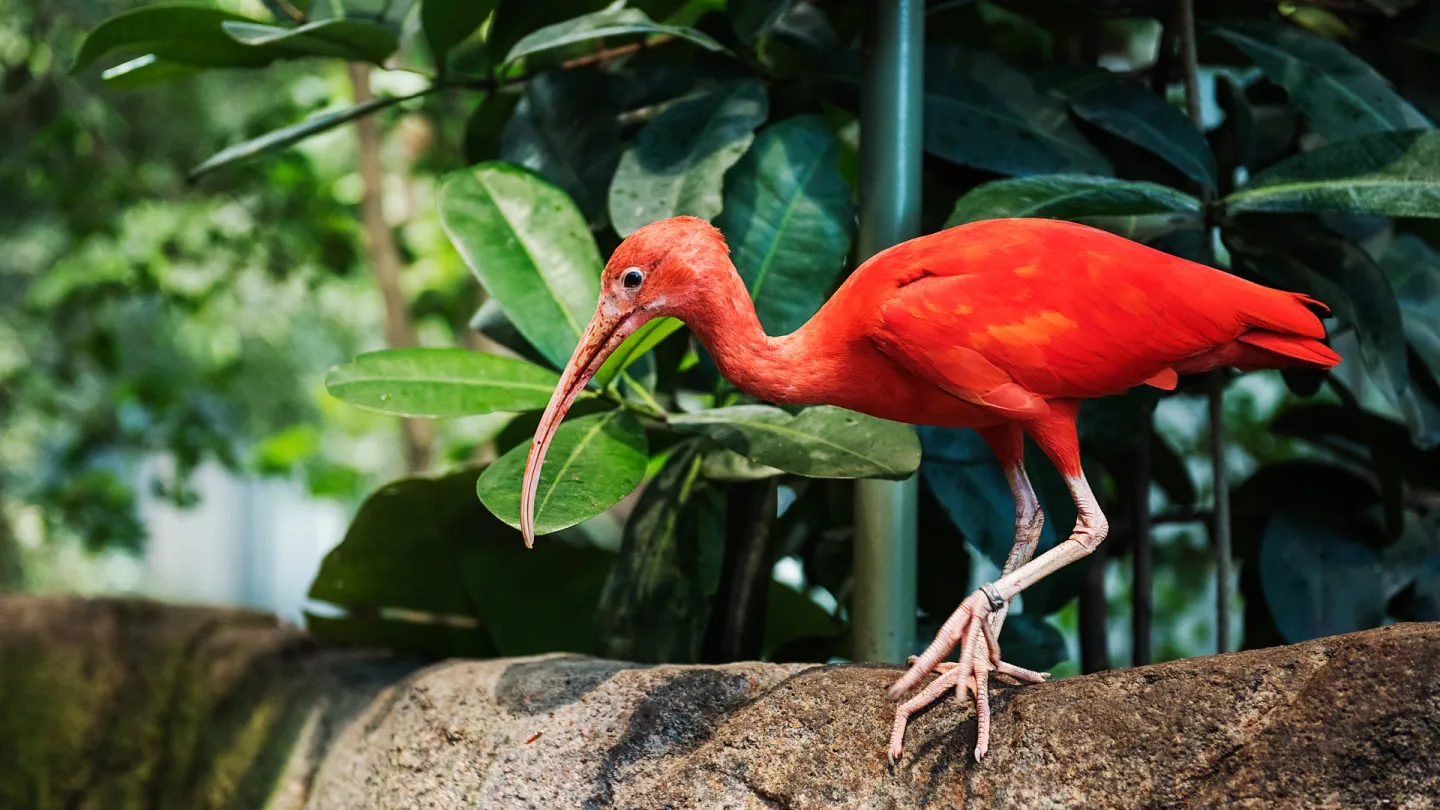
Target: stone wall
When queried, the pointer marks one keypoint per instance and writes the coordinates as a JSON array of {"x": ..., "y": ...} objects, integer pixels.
[{"x": 125, "y": 704}]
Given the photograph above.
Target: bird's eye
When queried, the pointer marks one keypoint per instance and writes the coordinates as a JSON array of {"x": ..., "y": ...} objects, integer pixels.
[{"x": 632, "y": 279}]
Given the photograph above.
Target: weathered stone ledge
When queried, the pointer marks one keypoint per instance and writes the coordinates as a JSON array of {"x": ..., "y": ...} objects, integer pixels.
[{"x": 125, "y": 704}]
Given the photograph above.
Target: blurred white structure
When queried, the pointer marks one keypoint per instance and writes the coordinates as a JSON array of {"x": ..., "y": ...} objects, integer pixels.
[{"x": 252, "y": 543}]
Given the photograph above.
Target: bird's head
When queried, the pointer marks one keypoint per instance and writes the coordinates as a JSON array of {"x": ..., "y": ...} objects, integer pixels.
[{"x": 659, "y": 270}]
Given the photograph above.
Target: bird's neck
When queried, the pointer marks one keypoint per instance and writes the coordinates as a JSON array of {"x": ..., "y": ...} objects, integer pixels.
[{"x": 763, "y": 366}]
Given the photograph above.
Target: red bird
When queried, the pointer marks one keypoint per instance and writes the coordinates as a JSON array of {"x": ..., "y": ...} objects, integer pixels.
[{"x": 1003, "y": 326}]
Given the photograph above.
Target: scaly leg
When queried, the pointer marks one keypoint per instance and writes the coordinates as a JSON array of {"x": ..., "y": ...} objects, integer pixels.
[
  {"x": 969, "y": 625},
  {"x": 1008, "y": 443}
]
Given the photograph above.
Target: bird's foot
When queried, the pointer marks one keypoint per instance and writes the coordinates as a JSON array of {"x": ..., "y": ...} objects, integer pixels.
[{"x": 979, "y": 656}]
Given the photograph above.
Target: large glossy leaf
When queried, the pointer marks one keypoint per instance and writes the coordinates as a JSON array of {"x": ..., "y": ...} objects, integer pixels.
[
  {"x": 447, "y": 23},
  {"x": 983, "y": 113},
  {"x": 1297, "y": 255},
  {"x": 1413, "y": 268},
  {"x": 612, "y": 22},
  {"x": 287, "y": 136},
  {"x": 1320, "y": 577},
  {"x": 967, "y": 479},
  {"x": 190, "y": 35},
  {"x": 357, "y": 40},
  {"x": 565, "y": 128},
  {"x": 676, "y": 164},
  {"x": 399, "y": 551},
  {"x": 593, "y": 462},
  {"x": 531, "y": 249},
  {"x": 1391, "y": 173},
  {"x": 1068, "y": 196},
  {"x": 635, "y": 347},
  {"x": 656, "y": 603},
  {"x": 146, "y": 70},
  {"x": 820, "y": 442},
  {"x": 441, "y": 382},
  {"x": 1133, "y": 112},
  {"x": 1339, "y": 95},
  {"x": 502, "y": 576},
  {"x": 787, "y": 219}
]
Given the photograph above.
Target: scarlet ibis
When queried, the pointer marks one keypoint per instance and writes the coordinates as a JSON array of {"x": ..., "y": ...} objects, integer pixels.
[{"x": 1003, "y": 326}]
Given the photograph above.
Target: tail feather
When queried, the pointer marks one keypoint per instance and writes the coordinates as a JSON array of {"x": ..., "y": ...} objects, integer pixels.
[
  {"x": 1308, "y": 351},
  {"x": 1284, "y": 312}
]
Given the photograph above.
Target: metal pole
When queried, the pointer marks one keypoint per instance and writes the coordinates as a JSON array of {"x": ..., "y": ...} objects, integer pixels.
[{"x": 891, "y": 99}]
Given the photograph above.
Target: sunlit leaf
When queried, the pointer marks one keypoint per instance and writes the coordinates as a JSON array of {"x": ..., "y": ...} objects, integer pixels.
[
  {"x": 676, "y": 164},
  {"x": 1391, "y": 173},
  {"x": 820, "y": 442},
  {"x": 611, "y": 22},
  {"x": 447, "y": 23},
  {"x": 146, "y": 70},
  {"x": 983, "y": 113},
  {"x": 1339, "y": 94},
  {"x": 1137, "y": 114},
  {"x": 531, "y": 249},
  {"x": 593, "y": 462},
  {"x": 358, "y": 40},
  {"x": 647, "y": 337},
  {"x": 1068, "y": 196},
  {"x": 787, "y": 220},
  {"x": 190, "y": 35},
  {"x": 441, "y": 382}
]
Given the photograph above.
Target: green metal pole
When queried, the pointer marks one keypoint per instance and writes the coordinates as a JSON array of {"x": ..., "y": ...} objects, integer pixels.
[{"x": 891, "y": 98}]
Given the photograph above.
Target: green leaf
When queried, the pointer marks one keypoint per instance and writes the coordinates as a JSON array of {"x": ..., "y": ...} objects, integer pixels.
[
  {"x": 647, "y": 337},
  {"x": 441, "y": 382},
  {"x": 792, "y": 617},
  {"x": 1321, "y": 575},
  {"x": 967, "y": 479},
  {"x": 676, "y": 164},
  {"x": 447, "y": 23},
  {"x": 1031, "y": 642},
  {"x": 287, "y": 136},
  {"x": 1413, "y": 268},
  {"x": 566, "y": 129},
  {"x": 431, "y": 639},
  {"x": 1068, "y": 196},
  {"x": 983, "y": 113},
  {"x": 399, "y": 551},
  {"x": 1131, "y": 111},
  {"x": 613, "y": 21},
  {"x": 593, "y": 462},
  {"x": 144, "y": 71},
  {"x": 656, "y": 603},
  {"x": 1339, "y": 94},
  {"x": 753, "y": 19},
  {"x": 787, "y": 219},
  {"x": 821, "y": 441},
  {"x": 502, "y": 576},
  {"x": 1390, "y": 173},
  {"x": 190, "y": 35},
  {"x": 357, "y": 40},
  {"x": 531, "y": 249},
  {"x": 727, "y": 465}
]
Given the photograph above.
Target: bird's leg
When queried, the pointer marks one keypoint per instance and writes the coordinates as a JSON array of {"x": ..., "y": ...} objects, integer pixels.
[
  {"x": 1055, "y": 434},
  {"x": 1008, "y": 443}
]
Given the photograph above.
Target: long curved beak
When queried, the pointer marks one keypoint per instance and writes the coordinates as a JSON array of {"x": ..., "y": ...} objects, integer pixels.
[{"x": 604, "y": 334}]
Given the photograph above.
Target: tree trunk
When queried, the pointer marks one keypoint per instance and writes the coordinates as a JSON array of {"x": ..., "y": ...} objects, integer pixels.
[{"x": 418, "y": 435}]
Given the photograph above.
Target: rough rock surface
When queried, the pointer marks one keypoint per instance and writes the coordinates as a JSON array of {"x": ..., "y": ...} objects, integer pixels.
[{"x": 128, "y": 704}]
